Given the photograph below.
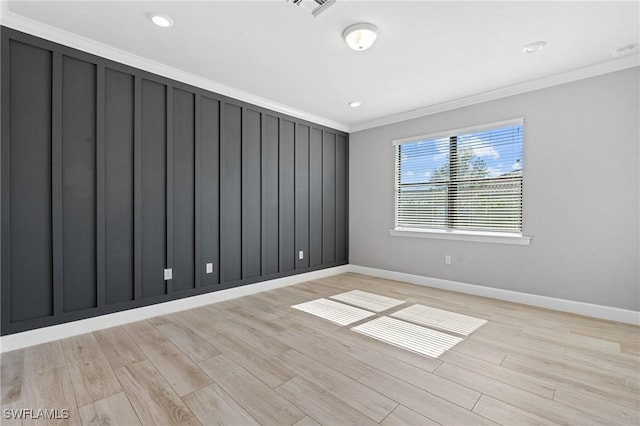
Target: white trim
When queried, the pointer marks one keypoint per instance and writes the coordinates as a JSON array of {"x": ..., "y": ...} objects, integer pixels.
[
  {"x": 459, "y": 132},
  {"x": 453, "y": 234},
  {"x": 47, "y": 334},
  {"x": 478, "y": 237},
  {"x": 38, "y": 29},
  {"x": 11, "y": 342},
  {"x": 563, "y": 305},
  {"x": 529, "y": 86}
]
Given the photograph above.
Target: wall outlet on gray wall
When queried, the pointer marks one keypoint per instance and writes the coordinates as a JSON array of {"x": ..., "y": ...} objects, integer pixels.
[
  {"x": 209, "y": 268},
  {"x": 168, "y": 274}
]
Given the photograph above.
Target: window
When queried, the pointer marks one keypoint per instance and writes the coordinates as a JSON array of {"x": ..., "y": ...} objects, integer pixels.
[{"x": 466, "y": 181}]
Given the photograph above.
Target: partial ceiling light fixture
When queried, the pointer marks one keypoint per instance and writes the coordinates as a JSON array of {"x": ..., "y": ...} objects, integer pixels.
[
  {"x": 627, "y": 50},
  {"x": 360, "y": 36},
  {"x": 534, "y": 47},
  {"x": 355, "y": 104},
  {"x": 160, "y": 20},
  {"x": 316, "y": 7}
]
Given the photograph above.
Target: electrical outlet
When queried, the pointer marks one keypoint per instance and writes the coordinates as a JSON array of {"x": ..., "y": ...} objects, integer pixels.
[
  {"x": 209, "y": 268},
  {"x": 168, "y": 274},
  {"x": 447, "y": 260},
  {"x": 301, "y": 255}
]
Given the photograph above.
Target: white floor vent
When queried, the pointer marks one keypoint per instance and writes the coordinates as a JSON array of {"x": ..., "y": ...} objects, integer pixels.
[
  {"x": 335, "y": 312},
  {"x": 370, "y": 301},
  {"x": 444, "y": 320},
  {"x": 408, "y": 336}
]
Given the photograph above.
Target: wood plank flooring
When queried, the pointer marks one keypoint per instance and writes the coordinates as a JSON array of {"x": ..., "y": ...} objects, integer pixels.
[{"x": 255, "y": 360}]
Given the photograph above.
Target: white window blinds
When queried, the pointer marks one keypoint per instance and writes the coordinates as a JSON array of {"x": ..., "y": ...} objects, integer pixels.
[{"x": 467, "y": 180}]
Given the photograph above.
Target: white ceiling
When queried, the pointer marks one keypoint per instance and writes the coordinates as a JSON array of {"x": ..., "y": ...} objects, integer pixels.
[{"x": 427, "y": 53}]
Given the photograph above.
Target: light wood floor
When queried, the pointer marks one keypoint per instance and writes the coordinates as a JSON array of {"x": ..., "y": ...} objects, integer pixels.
[{"x": 255, "y": 360}]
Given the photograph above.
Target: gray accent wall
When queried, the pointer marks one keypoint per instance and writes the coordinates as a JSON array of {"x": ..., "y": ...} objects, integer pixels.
[
  {"x": 111, "y": 174},
  {"x": 581, "y": 196}
]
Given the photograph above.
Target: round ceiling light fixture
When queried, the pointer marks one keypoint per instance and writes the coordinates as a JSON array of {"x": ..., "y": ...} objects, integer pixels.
[
  {"x": 360, "y": 36},
  {"x": 355, "y": 104},
  {"x": 161, "y": 20},
  {"x": 627, "y": 50},
  {"x": 534, "y": 47}
]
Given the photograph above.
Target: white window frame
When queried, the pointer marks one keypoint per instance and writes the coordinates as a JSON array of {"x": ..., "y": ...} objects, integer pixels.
[{"x": 453, "y": 234}]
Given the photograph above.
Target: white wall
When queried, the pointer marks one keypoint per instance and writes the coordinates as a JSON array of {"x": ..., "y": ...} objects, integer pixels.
[{"x": 581, "y": 196}]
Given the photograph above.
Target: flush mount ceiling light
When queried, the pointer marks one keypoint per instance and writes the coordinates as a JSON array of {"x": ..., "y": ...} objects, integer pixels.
[
  {"x": 627, "y": 50},
  {"x": 360, "y": 36},
  {"x": 534, "y": 47},
  {"x": 161, "y": 20},
  {"x": 355, "y": 104}
]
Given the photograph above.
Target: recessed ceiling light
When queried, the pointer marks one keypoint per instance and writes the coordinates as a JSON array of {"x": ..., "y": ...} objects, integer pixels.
[
  {"x": 355, "y": 104},
  {"x": 534, "y": 47},
  {"x": 161, "y": 20},
  {"x": 360, "y": 36},
  {"x": 627, "y": 50}
]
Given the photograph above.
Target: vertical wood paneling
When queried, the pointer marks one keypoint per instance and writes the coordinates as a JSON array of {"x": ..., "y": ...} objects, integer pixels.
[
  {"x": 137, "y": 187},
  {"x": 328, "y": 197},
  {"x": 197, "y": 186},
  {"x": 341, "y": 198},
  {"x": 251, "y": 203},
  {"x": 154, "y": 223},
  {"x": 183, "y": 190},
  {"x": 110, "y": 175},
  {"x": 287, "y": 196},
  {"x": 302, "y": 196},
  {"x": 79, "y": 184},
  {"x": 56, "y": 183},
  {"x": 100, "y": 186},
  {"x": 270, "y": 205},
  {"x": 5, "y": 187},
  {"x": 315, "y": 197},
  {"x": 119, "y": 201},
  {"x": 168, "y": 263},
  {"x": 30, "y": 233},
  {"x": 230, "y": 195},
  {"x": 209, "y": 177}
]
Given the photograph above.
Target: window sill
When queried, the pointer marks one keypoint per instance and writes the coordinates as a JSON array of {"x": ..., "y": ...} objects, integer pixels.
[{"x": 474, "y": 236}]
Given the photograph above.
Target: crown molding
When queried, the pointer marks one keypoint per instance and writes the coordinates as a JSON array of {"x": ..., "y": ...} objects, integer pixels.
[
  {"x": 38, "y": 29},
  {"x": 553, "y": 80},
  {"x": 66, "y": 38}
]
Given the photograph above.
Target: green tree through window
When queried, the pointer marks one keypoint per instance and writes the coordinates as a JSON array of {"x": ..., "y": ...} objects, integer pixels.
[{"x": 471, "y": 181}]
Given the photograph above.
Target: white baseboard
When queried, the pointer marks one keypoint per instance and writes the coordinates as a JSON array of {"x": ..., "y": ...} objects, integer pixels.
[
  {"x": 580, "y": 308},
  {"x": 47, "y": 334},
  {"x": 61, "y": 331}
]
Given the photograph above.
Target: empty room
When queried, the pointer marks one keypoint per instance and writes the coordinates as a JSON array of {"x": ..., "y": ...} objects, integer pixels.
[{"x": 319, "y": 212}]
